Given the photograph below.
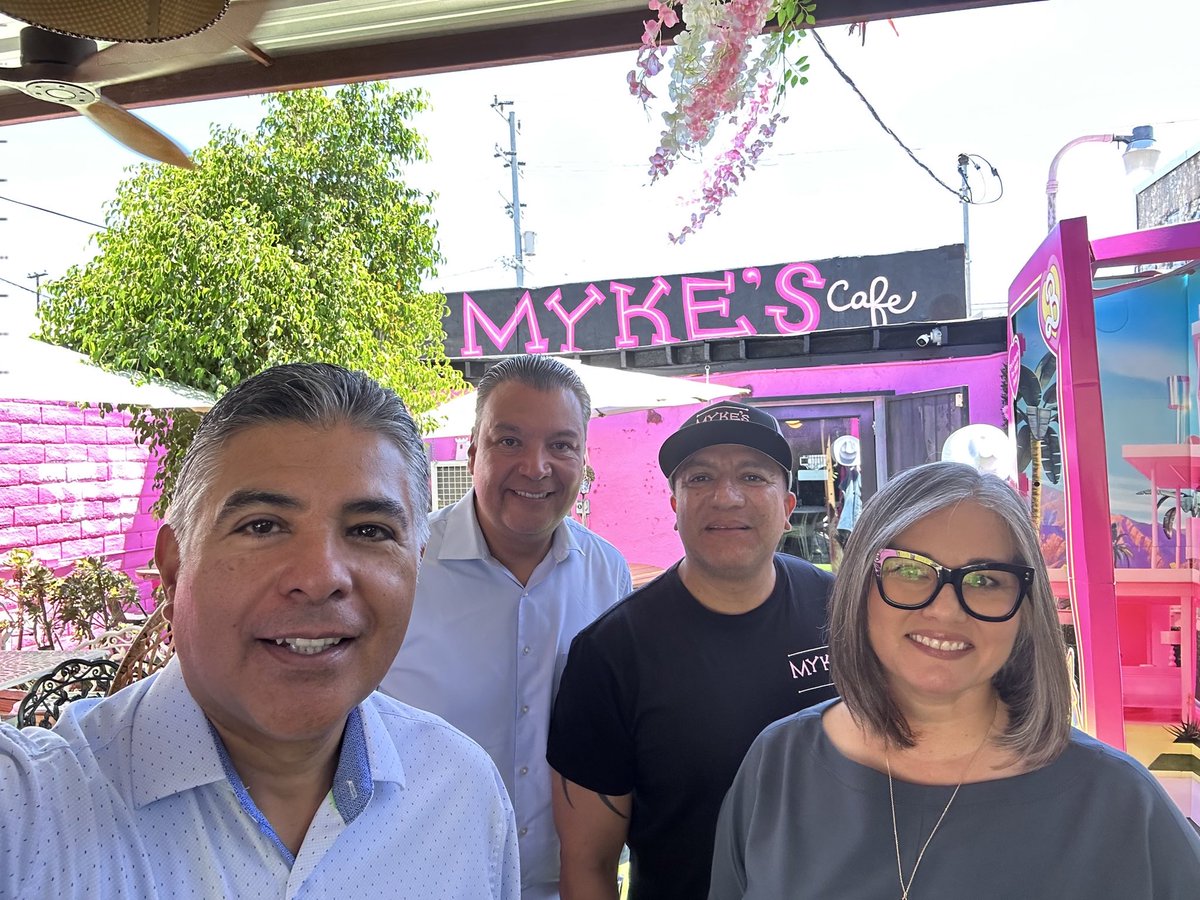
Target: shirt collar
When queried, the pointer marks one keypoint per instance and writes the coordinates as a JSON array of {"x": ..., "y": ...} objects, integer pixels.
[
  {"x": 188, "y": 754},
  {"x": 172, "y": 750},
  {"x": 463, "y": 538}
]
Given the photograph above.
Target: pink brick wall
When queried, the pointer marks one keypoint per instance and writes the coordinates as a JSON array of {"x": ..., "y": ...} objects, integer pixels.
[{"x": 73, "y": 484}]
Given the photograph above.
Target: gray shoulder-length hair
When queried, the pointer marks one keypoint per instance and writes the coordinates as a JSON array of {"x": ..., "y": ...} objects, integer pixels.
[
  {"x": 1033, "y": 683},
  {"x": 317, "y": 394}
]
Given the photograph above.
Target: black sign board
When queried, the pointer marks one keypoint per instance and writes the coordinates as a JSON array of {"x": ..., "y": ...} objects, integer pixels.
[{"x": 782, "y": 299}]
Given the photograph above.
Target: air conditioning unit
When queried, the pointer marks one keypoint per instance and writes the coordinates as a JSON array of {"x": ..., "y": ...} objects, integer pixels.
[{"x": 451, "y": 481}]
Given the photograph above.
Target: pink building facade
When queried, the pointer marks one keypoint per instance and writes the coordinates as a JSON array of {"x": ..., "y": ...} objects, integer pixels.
[{"x": 629, "y": 501}]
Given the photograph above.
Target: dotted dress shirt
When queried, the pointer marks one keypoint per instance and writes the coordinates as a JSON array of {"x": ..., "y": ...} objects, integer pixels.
[
  {"x": 135, "y": 796},
  {"x": 486, "y": 653}
]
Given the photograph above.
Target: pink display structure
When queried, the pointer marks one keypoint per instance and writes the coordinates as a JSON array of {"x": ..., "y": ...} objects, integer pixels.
[
  {"x": 1058, "y": 279},
  {"x": 1052, "y": 310}
]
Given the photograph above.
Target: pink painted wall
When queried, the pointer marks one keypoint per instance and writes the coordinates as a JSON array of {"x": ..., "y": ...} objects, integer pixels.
[
  {"x": 630, "y": 501},
  {"x": 73, "y": 484}
]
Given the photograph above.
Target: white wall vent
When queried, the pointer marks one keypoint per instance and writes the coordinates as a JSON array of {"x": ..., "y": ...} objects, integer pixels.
[{"x": 451, "y": 481}]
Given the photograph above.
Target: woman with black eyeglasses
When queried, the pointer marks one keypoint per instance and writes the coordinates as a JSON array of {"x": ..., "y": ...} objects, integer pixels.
[{"x": 948, "y": 769}]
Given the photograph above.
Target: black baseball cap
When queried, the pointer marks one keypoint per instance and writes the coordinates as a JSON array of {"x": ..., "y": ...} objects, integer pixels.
[{"x": 726, "y": 423}]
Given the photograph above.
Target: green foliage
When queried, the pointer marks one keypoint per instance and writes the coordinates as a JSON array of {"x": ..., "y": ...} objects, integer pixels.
[
  {"x": 29, "y": 590},
  {"x": 88, "y": 601},
  {"x": 93, "y": 598},
  {"x": 792, "y": 17},
  {"x": 300, "y": 242}
]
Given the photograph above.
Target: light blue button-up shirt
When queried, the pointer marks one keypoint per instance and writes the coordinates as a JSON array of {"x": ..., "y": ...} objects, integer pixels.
[
  {"x": 486, "y": 653},
  {"x": 134, "y": 796}
]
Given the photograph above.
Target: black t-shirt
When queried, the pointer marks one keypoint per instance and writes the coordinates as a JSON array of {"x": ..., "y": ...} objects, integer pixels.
[{"x": 662, "y": 697}]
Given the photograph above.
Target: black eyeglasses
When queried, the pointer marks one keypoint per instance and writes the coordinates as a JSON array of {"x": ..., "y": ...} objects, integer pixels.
[{"x": 989, "y": 591}]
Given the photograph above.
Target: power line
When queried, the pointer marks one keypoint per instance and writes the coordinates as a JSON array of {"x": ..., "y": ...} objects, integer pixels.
[
  {"x": 21, "y": 286},
  {"x": 55, "y": 213},
  {"x": 882, "y": 124}
]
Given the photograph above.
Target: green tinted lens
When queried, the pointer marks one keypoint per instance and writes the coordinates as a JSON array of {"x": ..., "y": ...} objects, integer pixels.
[
  {"x": 907, "y": 581},
  {"x": 991, "y": 592}
]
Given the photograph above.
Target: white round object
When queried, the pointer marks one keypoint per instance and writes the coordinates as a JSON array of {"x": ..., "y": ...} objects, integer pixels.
[
  {"x": 983, "y": 447},
  {"x": 845, "y": 450}
]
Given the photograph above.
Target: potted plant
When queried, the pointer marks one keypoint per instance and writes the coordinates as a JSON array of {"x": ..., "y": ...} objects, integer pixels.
[
  {"x": 1186, "y": 758},
  {"x": 1186, "y": 732}
]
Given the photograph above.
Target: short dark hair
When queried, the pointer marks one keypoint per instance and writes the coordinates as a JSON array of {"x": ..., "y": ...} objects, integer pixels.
[
  {"x": 316, "y": 394},
  {"x": 1033, "y": 682},
  {"x": 535, "y": 370}
]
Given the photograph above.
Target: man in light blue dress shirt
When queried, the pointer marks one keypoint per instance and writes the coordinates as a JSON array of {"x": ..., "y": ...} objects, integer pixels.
[
  {"x": 260, "y": 763},
  {"x": 507, "y": 581}
]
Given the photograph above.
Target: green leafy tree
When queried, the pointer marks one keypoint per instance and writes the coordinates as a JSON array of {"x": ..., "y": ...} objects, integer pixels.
[{"x": 300, "y": 242}]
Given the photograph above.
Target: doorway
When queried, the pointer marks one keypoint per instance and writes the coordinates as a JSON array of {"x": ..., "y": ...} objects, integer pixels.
[{"x": 819, "y": 482}]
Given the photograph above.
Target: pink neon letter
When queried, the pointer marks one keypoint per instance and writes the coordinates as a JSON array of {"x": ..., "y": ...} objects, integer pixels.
[
  {"x": 500, "y": 336},
  {"x": 692, "y": 308},
  {"x": 627, "y": 310},
  {"x": 806, "y": 302},
  {"x": 593, "y": 297}
]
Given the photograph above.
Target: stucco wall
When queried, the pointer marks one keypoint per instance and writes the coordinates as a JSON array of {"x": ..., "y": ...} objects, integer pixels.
[{"x": 73, "y": 484}]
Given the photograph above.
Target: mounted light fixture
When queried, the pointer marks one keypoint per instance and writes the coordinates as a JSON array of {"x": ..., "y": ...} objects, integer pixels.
[{"x": 1141, "y": 157}]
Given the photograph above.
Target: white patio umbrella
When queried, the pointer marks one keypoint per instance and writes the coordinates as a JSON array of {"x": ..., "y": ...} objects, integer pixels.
[
  {"x": 33, "y": 370},
  {"x": 612, "y": 391}
]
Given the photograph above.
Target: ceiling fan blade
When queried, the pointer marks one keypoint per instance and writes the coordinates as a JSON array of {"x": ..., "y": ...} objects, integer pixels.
[
  {"x": 148, "y": 20},
  {"x": 135, "y": 134},
  {"x": 134, "y": 62}
]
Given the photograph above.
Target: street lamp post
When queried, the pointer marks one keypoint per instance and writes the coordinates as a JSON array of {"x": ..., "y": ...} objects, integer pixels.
[{"x": 1140, "y": 156}]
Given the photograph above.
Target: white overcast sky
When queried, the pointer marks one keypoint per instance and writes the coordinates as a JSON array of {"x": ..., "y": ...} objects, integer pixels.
[{"x": 1011, "y": 83}]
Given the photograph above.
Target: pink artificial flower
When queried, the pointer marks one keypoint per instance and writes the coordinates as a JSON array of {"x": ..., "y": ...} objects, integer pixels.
[
  {"x": 666, "y": 12},
  {"x": 660, "y": 163}
]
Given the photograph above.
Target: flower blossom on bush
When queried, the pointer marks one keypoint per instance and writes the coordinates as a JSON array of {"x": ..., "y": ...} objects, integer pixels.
[{"x": 716, "y": 75}]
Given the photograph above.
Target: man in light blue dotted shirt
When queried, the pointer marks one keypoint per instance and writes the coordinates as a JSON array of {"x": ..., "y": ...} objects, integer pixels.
[
  {"x": 259, "y": 763},
  {"x": 508, "y": 580}
]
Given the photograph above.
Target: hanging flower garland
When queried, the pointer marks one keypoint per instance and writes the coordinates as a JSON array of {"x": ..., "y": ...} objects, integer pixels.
[{"x": 716, "y": 75}]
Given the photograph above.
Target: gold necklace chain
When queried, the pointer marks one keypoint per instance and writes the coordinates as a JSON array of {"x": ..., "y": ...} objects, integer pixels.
[{"x": 905, "y": 888}]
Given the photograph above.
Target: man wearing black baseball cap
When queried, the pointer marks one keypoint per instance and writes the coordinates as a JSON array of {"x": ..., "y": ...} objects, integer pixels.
[{"x": 664, "y": 693}]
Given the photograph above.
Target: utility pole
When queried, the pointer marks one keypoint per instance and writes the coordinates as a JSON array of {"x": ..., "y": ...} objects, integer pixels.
[
  {"x": 510, "y": 159},
  {"x": 965, "y": 197},
  {"x": 37, "y": 284}
]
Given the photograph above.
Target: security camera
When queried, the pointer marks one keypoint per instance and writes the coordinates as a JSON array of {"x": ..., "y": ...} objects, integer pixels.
[{"x": 934, "y": 336}]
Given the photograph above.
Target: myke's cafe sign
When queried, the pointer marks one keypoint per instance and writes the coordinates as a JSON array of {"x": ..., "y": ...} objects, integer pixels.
[{"x": 784, "y": 299}]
